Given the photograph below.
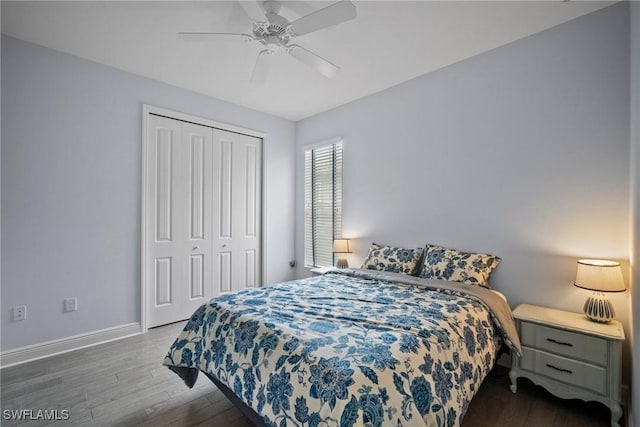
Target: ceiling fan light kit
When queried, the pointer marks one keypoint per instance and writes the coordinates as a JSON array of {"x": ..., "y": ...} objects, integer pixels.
[{"x": 276, "y": 33}]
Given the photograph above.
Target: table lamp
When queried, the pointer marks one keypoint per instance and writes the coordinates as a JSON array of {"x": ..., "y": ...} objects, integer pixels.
[
  {"x": 599, "y": 276},
  {"x": 341, "y": 246}
]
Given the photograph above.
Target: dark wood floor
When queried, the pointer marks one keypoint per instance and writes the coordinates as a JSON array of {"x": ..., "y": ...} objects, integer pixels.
[
  {"x": 531, "y": 406},
  {"x": 123, "y": 383}
]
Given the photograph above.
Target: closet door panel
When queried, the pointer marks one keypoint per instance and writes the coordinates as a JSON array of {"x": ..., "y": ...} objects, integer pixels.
[
  {"x": 163, "y": 266},
  {"x": 239, "y": 218},
  {"x": 197, "y": 145}
]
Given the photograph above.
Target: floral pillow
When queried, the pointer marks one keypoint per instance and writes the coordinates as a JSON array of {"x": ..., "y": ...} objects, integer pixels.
[
  {"x": 395, "y": 260},
  {"x": 456, "y": 266}
]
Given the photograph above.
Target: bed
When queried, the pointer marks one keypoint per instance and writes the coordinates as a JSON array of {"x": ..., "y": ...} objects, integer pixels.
[{"x": 352, "y": 347}]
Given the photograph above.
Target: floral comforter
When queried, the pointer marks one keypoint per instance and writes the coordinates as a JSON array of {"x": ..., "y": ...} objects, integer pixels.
[{"x": 349, "y": 349}]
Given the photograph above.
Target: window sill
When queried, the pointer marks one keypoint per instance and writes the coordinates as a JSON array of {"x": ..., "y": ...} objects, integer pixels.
[{"x": 317, "y": 271}]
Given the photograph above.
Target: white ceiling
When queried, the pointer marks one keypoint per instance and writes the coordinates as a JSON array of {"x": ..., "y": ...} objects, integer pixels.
[{"x": 388, "y": 43}]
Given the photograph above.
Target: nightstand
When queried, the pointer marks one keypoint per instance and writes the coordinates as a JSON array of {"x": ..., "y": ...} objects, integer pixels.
[{"x": 570, "y": 356}]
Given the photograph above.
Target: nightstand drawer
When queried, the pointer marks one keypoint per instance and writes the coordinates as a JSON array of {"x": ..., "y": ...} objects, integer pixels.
[
  {"x": 566, "y": 343},
  {"x": 566, "y": 370}
]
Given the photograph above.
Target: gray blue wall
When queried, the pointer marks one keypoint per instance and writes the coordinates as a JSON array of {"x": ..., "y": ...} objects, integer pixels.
[
  {"x": 71, "y": 176},
  {"x": 522, "y": 152},
  {"x": 635, "y": 208}
]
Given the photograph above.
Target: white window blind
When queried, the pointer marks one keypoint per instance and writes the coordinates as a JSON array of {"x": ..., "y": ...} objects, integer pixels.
[{"x": 322, "y": 203}]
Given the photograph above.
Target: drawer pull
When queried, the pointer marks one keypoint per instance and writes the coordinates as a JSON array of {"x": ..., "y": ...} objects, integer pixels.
[
  {"x": 559, "y": 369},
  {"x": 568, "y": 344}
]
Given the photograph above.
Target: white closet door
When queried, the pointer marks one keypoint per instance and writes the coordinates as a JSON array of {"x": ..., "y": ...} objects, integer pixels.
[
  {"x": 179, "y": 180},
  {"x": 237, "y": 222},
  {"x": 203, "y": 216},
  {"x": 198, "y": 162},
  {"x": 163, "y": 264}
]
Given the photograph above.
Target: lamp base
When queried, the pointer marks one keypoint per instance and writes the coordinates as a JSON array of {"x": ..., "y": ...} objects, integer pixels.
[
  {"x": 342, "y": 263},
  {"x": 599, "y": 308}
]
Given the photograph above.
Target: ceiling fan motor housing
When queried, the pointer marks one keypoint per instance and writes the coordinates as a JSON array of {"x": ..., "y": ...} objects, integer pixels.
[{"x": 271, "y": 33}]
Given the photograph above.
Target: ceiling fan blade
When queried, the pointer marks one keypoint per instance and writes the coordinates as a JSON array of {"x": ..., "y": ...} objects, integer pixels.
[
  {"x": 253, "y": 9},
  {"x": 238, "y": 18},
  {"x": 260, "y": 70},
  {"x": 319, "y": 64},
  {"x": 330, "y": 15},
  {"x": 207, "y": 37},
  {"x": 300, "y": 8}
]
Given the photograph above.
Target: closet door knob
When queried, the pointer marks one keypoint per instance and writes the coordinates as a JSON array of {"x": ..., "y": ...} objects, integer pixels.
[{"x": 195, "y": 247}]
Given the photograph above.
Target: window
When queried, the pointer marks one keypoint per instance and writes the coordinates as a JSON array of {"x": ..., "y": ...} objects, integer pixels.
[{"x": 322, "y": 202}]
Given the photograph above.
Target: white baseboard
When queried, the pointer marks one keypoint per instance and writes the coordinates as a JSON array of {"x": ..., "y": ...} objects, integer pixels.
[{"x": 63, "y": 345}]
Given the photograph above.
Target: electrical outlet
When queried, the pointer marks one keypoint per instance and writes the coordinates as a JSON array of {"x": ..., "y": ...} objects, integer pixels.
[
  {"x": 70, "y": 304},
  {"x": 19, "y": 312}
]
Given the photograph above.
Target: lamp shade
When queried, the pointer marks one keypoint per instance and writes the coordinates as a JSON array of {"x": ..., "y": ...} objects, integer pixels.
[
  {"x": 341, "y": 246},
  {"x": 599, "y": 275}
]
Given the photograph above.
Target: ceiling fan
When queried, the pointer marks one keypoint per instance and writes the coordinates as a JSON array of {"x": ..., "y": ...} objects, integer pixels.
[{"x": 277, "y": 32}]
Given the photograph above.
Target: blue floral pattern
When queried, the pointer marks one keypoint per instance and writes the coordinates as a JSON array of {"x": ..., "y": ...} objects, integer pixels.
[
  {"x": 456, "y": 266},
  {"x": 395, "y": 260},
  {"x": 344, "y": 350}
]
